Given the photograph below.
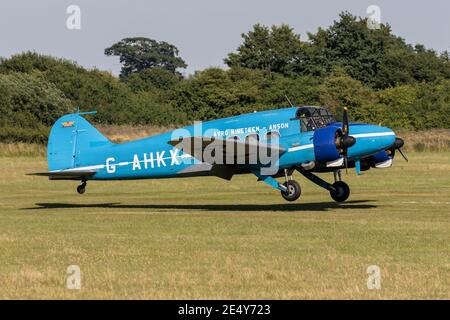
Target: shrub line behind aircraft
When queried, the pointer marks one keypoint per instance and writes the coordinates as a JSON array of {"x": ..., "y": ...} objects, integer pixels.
[{"x": 269, "y": 144}]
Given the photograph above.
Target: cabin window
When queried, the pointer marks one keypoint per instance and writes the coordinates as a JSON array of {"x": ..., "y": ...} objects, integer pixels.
[
  {"x": 272, "y": 135},
  {"x": 236, "y": 138},
  {"x": 252, "y": 137}
]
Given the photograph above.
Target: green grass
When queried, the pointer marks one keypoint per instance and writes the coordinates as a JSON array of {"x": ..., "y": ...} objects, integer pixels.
[{"x": 208, "y": 238}]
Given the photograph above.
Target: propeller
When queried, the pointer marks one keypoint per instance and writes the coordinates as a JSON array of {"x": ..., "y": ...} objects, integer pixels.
[
  {"x": 344, "y": 140},
  {"x": 403, "y": 155},
  {"x": 398, "y": 144}
]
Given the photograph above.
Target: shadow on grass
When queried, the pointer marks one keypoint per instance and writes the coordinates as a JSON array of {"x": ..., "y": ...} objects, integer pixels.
[{"x": 311, "y": 206}]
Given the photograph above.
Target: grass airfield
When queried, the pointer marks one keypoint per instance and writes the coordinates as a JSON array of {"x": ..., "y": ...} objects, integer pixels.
[{"x": 204, "y": 238}]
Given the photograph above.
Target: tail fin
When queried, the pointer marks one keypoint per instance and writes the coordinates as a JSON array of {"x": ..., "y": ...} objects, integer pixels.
[{"x": 72, "y": 142}]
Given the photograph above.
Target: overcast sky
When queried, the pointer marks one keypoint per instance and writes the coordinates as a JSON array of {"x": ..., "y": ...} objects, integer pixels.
[{"x": 204, "y": 30}]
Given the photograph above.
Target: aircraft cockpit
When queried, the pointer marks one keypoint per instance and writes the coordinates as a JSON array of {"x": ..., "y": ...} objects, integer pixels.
[{"x": 312, "y": 118}]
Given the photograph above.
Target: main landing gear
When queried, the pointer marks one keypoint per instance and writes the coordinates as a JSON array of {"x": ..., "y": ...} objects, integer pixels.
[
  {"x": 339, "y": 190},
  {"x": 82, "y": 187},
  {"x": 292, "y": 190}
]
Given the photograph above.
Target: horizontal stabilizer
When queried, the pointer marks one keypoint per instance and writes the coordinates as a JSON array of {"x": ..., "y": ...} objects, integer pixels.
[{"x": 65, "y": 175}]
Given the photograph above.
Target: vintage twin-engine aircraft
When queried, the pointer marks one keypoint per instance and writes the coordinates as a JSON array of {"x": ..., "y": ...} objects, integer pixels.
[{"x": 270, "y": 144}]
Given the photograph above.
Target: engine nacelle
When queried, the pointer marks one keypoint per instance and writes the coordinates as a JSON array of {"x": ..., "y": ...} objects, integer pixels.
[
  {"x": 324, "y": 140},
  {"x": 380, "y": 160}
]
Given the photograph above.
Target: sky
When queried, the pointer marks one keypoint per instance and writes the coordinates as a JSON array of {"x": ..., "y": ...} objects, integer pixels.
[{"x": 205, "y": 31}]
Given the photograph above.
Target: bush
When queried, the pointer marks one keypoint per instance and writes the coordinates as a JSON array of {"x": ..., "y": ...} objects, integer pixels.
[
  {"x": 152, "y": 79},
  {"x": 36, "y": 89},
  {"x": 29, "y": 100}
]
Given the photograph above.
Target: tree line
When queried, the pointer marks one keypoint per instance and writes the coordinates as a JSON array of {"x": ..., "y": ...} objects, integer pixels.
[{"x": 377, "y": 75}]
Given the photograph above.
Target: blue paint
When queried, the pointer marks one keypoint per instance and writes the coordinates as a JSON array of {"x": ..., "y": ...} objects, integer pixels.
[
  {"x": 324, "y": 144},
  {"x": 75, "y": 144},
  {"x": 358, "y": 167}
]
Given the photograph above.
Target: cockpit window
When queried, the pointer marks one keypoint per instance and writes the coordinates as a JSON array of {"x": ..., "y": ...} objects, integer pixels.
[{"x": 312, "y": 118}]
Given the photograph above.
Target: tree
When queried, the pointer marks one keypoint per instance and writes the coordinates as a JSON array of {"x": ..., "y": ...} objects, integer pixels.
[
  {"x": 349, "y": 45},
  {"x": 377, "y": 57},
  {"x": 272, "y": 49},
  {"x": 138, "y": 54},
  {"x": 214, "y": 93},
  {"x": 151, "y": 79},
  {"x": 341, "y": 91}
]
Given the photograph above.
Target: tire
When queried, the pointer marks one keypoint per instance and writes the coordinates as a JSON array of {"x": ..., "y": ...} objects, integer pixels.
[
  {"x": 81, "y": 189},
  {"x": 342, "y": 191},
  {"x": 294, "y": 191}
]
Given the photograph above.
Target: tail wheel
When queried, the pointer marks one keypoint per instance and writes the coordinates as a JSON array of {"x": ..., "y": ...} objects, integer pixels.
[
  {"x": 293, "y": 190},
  {"x": 342, "y": 191},
  {"x": 82, "y": 188}
]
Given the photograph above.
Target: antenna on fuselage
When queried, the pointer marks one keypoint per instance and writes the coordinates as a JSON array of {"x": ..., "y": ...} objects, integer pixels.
[{"x": 288, "y": 100}]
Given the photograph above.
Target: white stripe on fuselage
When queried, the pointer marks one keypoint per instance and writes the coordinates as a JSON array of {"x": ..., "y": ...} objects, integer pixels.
[
  {"x": 120, "y": 164},
  {"x": 87, "y": 168},
  {"x": 370, "y": 135},
  {"x": 306, "y": 146},
  {"x": 358, "y": 135}
]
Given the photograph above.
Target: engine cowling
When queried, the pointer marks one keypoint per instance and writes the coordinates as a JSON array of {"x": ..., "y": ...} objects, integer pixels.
[
  {"x": 385, "y": 156},
  {"x": 379, "y": 157},
  {"x": 324, "y": 140}
]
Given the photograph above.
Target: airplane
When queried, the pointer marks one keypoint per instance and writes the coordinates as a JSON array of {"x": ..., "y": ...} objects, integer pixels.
[{"x": 270, "y": 144}]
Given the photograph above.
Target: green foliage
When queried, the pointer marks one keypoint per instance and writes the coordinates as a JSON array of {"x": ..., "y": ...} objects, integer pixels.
[
  {"x": 152, "y": 79},
  {"x": 342, "y": 91},
  {"x": 28, "y": 105},
  {"x": 377, "y": 58},
  {"x": 138, "y": 54},
  {"x": 35, "y": 90},
  {"x": 87, "y": 89},
  {"x": 379, "y": 77},
  {"x": 216, "y": 93},
  {"x": 272, "y": 49},
  {"x": 12, "y": 134}
]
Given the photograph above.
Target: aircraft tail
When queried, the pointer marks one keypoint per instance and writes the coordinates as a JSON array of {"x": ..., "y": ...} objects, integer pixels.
[{"x": 72, "y": 142}]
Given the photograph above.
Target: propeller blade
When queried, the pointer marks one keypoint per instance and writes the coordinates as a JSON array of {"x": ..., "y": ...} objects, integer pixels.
[
  {"x": 398, "y": 144},
  {"x": 345, "y": 141},
  {"x": 403, "y": 155},
  {"x": 346, "y": 164}
]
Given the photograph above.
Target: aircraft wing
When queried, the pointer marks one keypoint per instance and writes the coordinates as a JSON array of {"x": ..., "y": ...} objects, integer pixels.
[
  {"x": 65, "y": 174},
  {"x": 230, "y": 151}
]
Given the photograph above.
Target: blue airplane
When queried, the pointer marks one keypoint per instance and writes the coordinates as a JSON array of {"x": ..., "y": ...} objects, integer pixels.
[{"x": 269, "y": 144}]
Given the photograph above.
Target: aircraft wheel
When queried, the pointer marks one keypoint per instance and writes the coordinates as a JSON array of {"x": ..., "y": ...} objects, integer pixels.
[
  {"x": 342, "y": 191},
  {"x": 293, "y": 191},
  {"x": 81, "y": 188}
]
